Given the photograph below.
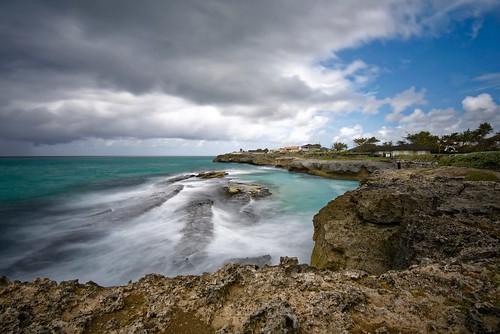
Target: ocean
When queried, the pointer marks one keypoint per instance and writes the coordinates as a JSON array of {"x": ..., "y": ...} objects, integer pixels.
[{"x": 115, "y": 219}]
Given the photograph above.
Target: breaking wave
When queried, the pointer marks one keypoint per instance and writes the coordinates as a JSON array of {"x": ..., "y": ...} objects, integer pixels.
[{"x": 170, "y": 225}]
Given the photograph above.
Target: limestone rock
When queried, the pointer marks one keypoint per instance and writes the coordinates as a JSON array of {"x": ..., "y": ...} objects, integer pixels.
[
  {"x": 212, "y": 174},
  {"x": 399, "y": 218},
  {"x": 256, "y": 260},
  {"x": 350, "y": 169},
  {"x": 250, "y": 189}
]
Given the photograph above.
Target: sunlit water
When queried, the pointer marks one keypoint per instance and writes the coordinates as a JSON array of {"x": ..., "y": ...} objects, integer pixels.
[{"x": 112, "y": 220}]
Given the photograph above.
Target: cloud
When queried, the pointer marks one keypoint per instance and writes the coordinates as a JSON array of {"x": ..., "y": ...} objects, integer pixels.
[
  {"x": 438, "y": 121},
  {"x": 347, "y": 134},
  {"x": 404, "y": 100},
  {"x": 476, "y": 27},
  {"x": 476, "y": 110},
  {"x": 104, "y": 114},
  {"x": 194, "y": 70},
  {"x": 489, "y": 81},
  {"x": 479, "y": 109}
]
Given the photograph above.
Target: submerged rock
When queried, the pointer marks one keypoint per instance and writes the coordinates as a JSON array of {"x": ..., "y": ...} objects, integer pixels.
[
  {"x": 212, "y": 174},
  {"x": 174, "y": 179},
  {"x": 197, "y": 233}
]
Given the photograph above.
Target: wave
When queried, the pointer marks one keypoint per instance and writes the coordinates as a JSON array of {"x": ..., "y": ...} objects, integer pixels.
[{"x": 171, "y": 225}]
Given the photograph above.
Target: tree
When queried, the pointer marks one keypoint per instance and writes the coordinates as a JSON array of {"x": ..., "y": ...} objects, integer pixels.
[
  {"x": 482, "y": 131},
  {"x": 466, "y": 137},
  {"x": 423, "y": 138},
  {"x": 360, "y": 141},
  {"x": 365, "y": 141},
  {"x": 338, "y": 146},
  {"x": 372, "y": 140}
]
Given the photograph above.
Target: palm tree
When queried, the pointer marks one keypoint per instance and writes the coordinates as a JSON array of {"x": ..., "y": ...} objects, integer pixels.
[{"x": 338, "y": 146}]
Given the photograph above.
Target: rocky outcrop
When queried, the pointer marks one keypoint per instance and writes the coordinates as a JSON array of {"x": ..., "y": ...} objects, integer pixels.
[
  {"x": 250, "y": 190},
  {"x": 259, "y": 261},
  {"x": 289, "y": 298},
  {"x": 338, "y": 168},
  {"x": 212, "y": 174},
  {"x": 400, "y": 218},
  {"x": 415, "y": 251},
  {"x": 350, "y": 169},
  {"x": 197, "y": 233}
]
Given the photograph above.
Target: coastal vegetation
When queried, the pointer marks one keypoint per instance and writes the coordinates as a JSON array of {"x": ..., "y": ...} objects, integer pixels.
[
  {"x": 471, "y": 148},
  {"x": 467, "y": 141}
]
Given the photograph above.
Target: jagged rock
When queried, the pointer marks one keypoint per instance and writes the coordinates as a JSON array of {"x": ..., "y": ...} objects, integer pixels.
[
  {"x": 288, "y": 261},
  {"x": 398, "y": 218},
  {"x": 211, "y": 174},
  {"x": 257, "y": 260},
  {"x": 246, "y": 189},
  {"x": 274, "y": 317}
]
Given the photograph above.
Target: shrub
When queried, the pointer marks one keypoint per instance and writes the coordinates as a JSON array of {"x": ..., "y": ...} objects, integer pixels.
[{"x": 484, "y": 160}]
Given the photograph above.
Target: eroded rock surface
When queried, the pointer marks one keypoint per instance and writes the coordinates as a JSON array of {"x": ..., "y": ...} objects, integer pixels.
[
  {"x": 433, "y": 298},
  {"x": 351, "y": 169},
  {"x": 251, "y": 190},
  {"x": 399, "y": 218},
  {"x": 416, "y": 252},
  {"x": 259, "y": 261},
  {"x": 212, "y": 174}
]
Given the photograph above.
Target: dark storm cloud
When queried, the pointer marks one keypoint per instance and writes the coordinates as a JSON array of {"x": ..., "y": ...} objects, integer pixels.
[{"x": 248, "y": 61}]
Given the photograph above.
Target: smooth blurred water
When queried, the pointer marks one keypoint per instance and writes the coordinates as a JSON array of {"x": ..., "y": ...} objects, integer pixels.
[{"x": 114, "y": 219}]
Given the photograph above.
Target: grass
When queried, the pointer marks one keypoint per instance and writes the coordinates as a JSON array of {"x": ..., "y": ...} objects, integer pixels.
[
  {"x": 481, "y": 176},
  {"x": 481, "y": 160},
  {"x": 420, "y": 157}
]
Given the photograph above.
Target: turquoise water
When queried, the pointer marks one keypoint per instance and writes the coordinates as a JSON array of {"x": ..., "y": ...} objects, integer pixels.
[
  {"x": 26, "y": 178},
  {"x": 114, "y": 219}
]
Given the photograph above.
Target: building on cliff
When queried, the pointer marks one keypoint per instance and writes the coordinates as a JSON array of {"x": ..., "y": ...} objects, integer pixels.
[
  {"x": 289, "y": 149},
  {"x": 310, "y": 147},
  {"x": 405, "y": 149}
]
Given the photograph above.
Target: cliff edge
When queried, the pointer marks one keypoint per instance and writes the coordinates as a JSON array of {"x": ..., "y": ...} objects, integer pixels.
[{"x": 350, "y": 169}]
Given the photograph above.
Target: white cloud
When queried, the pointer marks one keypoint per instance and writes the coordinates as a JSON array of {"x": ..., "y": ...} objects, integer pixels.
[
  {"x": 489, "y": 80},
  {"x": 482, "y": 102},
  {"x": 205, "y": 70},
  {"x": 476, "y": 110},
  {"x": 479, "y": 109},
  {"x": 108, "y": 114},
  {"x": 347, "y": 134},
  {"x": 476, "y": 27},
  {"x": 404, "y": 100}
]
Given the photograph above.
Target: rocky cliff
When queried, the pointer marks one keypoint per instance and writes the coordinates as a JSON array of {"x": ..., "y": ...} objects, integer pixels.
[
  {"x": 399, "y": 218},
  {"x": 413, "y": 251},
  {"x": 351, "y": 169}
]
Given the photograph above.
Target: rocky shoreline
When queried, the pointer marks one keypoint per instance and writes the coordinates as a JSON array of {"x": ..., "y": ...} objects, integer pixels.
[
  {"x": 339, "y": 169},
  {"x": 409, "y": 251}
]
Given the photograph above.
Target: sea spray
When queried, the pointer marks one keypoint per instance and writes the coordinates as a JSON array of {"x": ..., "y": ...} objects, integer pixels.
[{"x": 114, "y": 229}]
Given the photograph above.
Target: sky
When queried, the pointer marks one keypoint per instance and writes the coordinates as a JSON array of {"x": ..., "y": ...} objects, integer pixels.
[{"x": 199, "y": 77}]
